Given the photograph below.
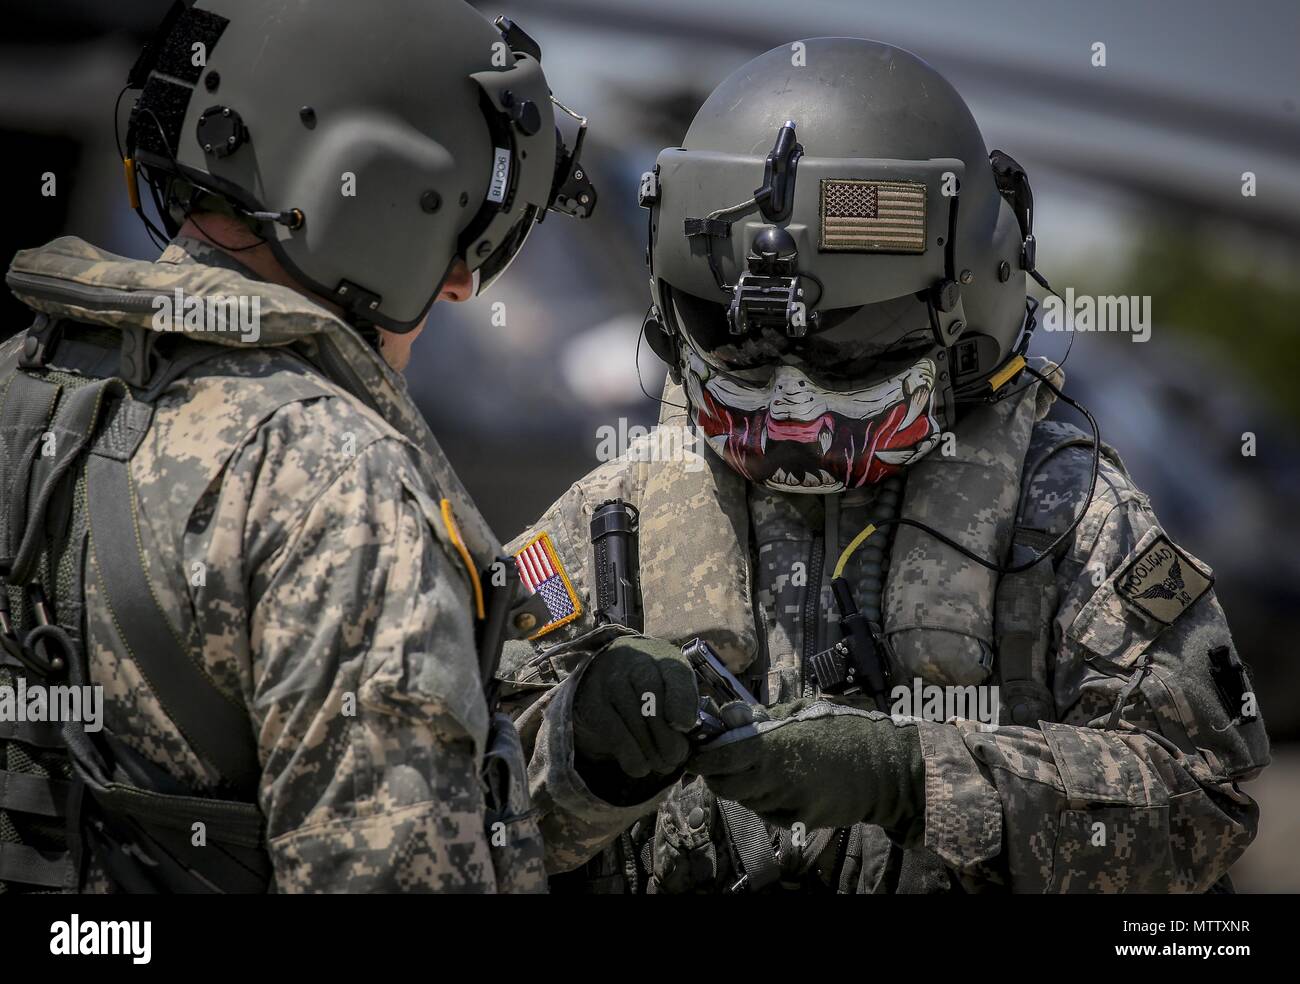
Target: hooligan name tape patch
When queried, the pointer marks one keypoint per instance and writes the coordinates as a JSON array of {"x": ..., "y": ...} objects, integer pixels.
[
  {"x": 542, "y": 573},
  {"x": 1163, "y": 581}
]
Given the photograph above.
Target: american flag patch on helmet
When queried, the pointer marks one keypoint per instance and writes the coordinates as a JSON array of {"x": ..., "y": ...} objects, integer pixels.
[
  {"x": 873, "y": 216},
  {"x": 542, "y": 573}
]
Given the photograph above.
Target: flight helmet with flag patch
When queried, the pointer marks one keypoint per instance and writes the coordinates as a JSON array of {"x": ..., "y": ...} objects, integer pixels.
[{"x": 836, "y": 261}]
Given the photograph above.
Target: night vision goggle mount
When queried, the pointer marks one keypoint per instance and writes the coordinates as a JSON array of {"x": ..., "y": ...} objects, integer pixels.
[{"x": 770, "y": 293}]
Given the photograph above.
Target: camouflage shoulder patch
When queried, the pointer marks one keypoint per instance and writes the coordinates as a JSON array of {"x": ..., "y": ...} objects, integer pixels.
[
  {"x": 542, "y": 573},
  {"x": 1163, "y": 581}
]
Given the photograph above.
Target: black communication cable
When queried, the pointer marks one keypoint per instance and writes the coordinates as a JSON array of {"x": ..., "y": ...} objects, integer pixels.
[
  {"x": 637, "y": 362},
  {"x": 188, "y": 207},
  {"x": 1066, "y": 533}
]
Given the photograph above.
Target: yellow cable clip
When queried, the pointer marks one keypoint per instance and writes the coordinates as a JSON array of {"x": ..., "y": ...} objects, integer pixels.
[
  {"x": 1005, "y": 374},
  {"x": 132, "y": 188}
]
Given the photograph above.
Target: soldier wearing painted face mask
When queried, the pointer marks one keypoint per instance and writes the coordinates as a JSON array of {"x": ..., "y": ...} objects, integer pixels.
[{"x": 884, "y": 520}]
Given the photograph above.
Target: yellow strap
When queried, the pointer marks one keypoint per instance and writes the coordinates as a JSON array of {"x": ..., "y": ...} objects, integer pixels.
[
  {"x": 1004, "y": 375},
  {"x": 856, "y": 542},
  {"x": 454, "y": 531},
  {"x": 132, "y": 188}
]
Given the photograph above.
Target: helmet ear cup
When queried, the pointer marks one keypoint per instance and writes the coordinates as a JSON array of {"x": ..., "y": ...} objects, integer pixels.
[{"x": 662, "y": 343}]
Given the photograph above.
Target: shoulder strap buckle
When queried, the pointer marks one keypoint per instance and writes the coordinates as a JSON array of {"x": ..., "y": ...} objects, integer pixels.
[
  {"x": 137, "y": 361},
  {"x": 42, "y": 336}
]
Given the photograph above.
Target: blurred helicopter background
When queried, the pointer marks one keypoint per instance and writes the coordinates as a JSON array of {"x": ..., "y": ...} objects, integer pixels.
[{"x": 1137, "y": 168}]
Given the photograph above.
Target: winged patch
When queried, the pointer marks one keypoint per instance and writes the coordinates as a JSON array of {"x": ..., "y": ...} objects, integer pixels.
[{"x": 1163, "y": 582}]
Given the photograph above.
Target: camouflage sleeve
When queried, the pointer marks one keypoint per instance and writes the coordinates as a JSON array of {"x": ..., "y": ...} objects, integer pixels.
[
  {"x": 541, "y": 679},
  {"x": 576, "y": 823},
  {"x": 365, "y": 689},
  {"x": 1134, "y": 788}
]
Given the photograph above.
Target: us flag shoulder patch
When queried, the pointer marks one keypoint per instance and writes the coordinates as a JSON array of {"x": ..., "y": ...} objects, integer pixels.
[
  {"x": 542, "y": 573},
  {"x": 872, "y": 216}
]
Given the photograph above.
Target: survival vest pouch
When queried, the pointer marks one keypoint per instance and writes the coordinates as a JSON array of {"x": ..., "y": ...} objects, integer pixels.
[{"x": 75, "y": 402}]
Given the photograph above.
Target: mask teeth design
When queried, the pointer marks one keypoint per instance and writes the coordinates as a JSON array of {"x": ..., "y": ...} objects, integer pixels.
[
  {"x": 820, "y": 481},
  {"x": 762, "y": 439},
  {"x": 824, "y": 439}
]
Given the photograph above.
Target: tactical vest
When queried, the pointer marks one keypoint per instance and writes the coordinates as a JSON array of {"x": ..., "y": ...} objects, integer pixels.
[
  {"x": 946, "y": 619},
  {"x": 75, "y": 402}
]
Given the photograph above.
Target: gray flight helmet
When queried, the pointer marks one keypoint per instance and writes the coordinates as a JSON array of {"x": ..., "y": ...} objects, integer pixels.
[
  {"x": 371, "y": 145},
  {"x": 873, "y": 186}
]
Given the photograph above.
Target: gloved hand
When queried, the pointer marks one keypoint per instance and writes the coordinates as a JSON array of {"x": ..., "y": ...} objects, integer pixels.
[
  {"x": 634, "y": 705},
  {"x": 824, "y": 772}
]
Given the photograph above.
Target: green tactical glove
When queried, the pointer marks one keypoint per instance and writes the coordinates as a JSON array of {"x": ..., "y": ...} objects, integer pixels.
[
  {"x": 824, "y": 772},
  {"x": 634, "y": 705}
]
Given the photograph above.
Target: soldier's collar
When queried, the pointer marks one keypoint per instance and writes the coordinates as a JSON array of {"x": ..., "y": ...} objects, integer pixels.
[{"x": 186, "y": 249}]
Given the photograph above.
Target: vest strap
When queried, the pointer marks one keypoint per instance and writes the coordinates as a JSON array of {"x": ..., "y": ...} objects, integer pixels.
[
  {"x": 27, "y": 866},
  {"x": 1023, "y": 617},
  {"x": 24, "y": 792},
  {"x": 752, "y": 842},
  {"x": 216, "y": 726}
]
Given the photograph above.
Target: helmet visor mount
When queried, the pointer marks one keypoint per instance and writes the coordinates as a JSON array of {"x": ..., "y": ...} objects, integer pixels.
[
  {"x": 894, "y": 214},
  {"x": 533, "y": 168},
  {"x": 571, "y": 194}
]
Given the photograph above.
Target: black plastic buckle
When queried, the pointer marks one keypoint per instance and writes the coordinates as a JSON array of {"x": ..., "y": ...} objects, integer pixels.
[
  {"x": 41, "y": 338},
  {"x": 707, "y": 227},
  {"x": 361, "y": 302},
  {"x": 832, "y": 670},
  {"x": 1029, "y": 254},
  {"x": 138, "y": 357}
]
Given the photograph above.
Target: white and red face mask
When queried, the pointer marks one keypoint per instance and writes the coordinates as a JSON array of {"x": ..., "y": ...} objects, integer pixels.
[{"x": 789, "y": 435}]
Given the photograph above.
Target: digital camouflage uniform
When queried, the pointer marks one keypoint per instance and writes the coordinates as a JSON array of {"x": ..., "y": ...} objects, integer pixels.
[
  {"x": 1068, "y": 794},
  {"x": 332, "y": 604}
]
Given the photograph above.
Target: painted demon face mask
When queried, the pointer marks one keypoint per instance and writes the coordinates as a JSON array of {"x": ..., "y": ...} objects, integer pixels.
[
  {"x": 851, "y": 402},
  {"x": 793, "y": 436}
]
